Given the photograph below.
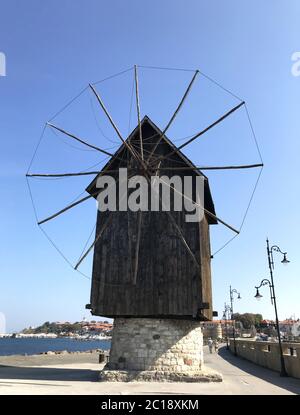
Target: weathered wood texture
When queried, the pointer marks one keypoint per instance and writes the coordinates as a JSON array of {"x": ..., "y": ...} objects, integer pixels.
[{"x": 168, "y": 282}]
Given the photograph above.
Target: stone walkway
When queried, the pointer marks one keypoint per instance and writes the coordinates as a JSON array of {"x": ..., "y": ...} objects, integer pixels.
[{"x": 78, "y": 375}]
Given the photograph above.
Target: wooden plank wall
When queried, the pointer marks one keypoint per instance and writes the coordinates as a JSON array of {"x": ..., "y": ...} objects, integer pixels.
[{"x": 168, "y": 282}]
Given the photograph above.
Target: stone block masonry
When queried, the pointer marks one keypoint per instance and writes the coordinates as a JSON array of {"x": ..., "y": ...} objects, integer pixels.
[
  {"x": 156, "y": 349},
  {"x": 267, "y": 354}
]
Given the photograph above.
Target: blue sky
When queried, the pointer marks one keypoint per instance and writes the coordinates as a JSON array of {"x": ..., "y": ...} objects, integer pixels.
[{"x": 55, "y": 48}]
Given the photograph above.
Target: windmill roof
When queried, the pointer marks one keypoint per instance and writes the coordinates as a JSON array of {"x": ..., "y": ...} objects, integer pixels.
[{"x": 146, "y": 121}]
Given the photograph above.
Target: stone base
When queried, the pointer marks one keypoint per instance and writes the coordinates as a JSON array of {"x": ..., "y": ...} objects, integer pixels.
[
  {"x": 162, "y": 350},
  {"x": 150, "y": 344},
  {"x": 158, "y": 376}
]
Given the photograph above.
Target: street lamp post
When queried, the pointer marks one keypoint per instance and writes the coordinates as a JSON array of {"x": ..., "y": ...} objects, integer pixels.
[
  {"x": 225, "y": 317},
  {"x": 233, "y": 291},
  {"x": 270, "y": 283}
]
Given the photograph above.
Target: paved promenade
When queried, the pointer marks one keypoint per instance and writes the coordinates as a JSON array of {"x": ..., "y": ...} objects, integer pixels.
[{"x": 77, "y": 374}]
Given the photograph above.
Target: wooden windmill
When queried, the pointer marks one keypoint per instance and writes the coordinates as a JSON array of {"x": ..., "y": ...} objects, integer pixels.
[
  {"x": 150, "y": 264},
  {"x": 151, "y": 268}
]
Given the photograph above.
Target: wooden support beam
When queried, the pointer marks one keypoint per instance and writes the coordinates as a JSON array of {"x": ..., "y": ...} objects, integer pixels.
[
  {"x": 181, "y": 236},
  {"x": 137, "y": 248},
  {"x": 202, "y": 132},
  {"x": 177, "y": 228},
  {"x": 174, "y": 115}
]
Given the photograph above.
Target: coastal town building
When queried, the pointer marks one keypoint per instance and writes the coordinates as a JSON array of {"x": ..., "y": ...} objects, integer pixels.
[
  {"x": 290, "y": 328},
  {"x": 217, "y": 329},
  {"x": 97, "y": 327}
]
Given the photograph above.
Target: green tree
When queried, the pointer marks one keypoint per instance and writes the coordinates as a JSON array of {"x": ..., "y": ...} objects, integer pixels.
[{"x": 248, "y": 319}]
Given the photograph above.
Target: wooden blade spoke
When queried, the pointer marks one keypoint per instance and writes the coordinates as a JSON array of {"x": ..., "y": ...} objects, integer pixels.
[
  {"x": 243, "y": 166},
  {"x": 203, "y": 131},
  {"x": 86, "y": 173},
  {"x": 126, "y": 144},
  {"x": 173, "y": 116},
  {"x": 138, "y": 109},
  {"x": 203, "y": 208},
  {"x": 65, "y": 209},
  {"x": 104, "y": 226},
  {"x": 80, "y": 140},
  {"x": 109, "y": 219},
  {"x": 72, "y": 205}
]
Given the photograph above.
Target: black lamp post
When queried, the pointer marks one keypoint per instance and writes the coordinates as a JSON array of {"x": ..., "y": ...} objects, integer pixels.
[
  {"x": 225, "y": 317},
  {"x": 233, "y": 291},
  {"x": 270, "y": 282}
]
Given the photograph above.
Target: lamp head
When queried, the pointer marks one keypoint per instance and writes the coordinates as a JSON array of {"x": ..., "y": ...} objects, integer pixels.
[
  {"x": 258, "y": 296},
  {"x": 239, "y": 296},
  {"x": 285, "y": 260}
]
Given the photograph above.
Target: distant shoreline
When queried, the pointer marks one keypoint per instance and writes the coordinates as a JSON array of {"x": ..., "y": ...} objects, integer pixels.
[
  {"x": 52, "y": 336},
  {"x": 29, "y": 346}
]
